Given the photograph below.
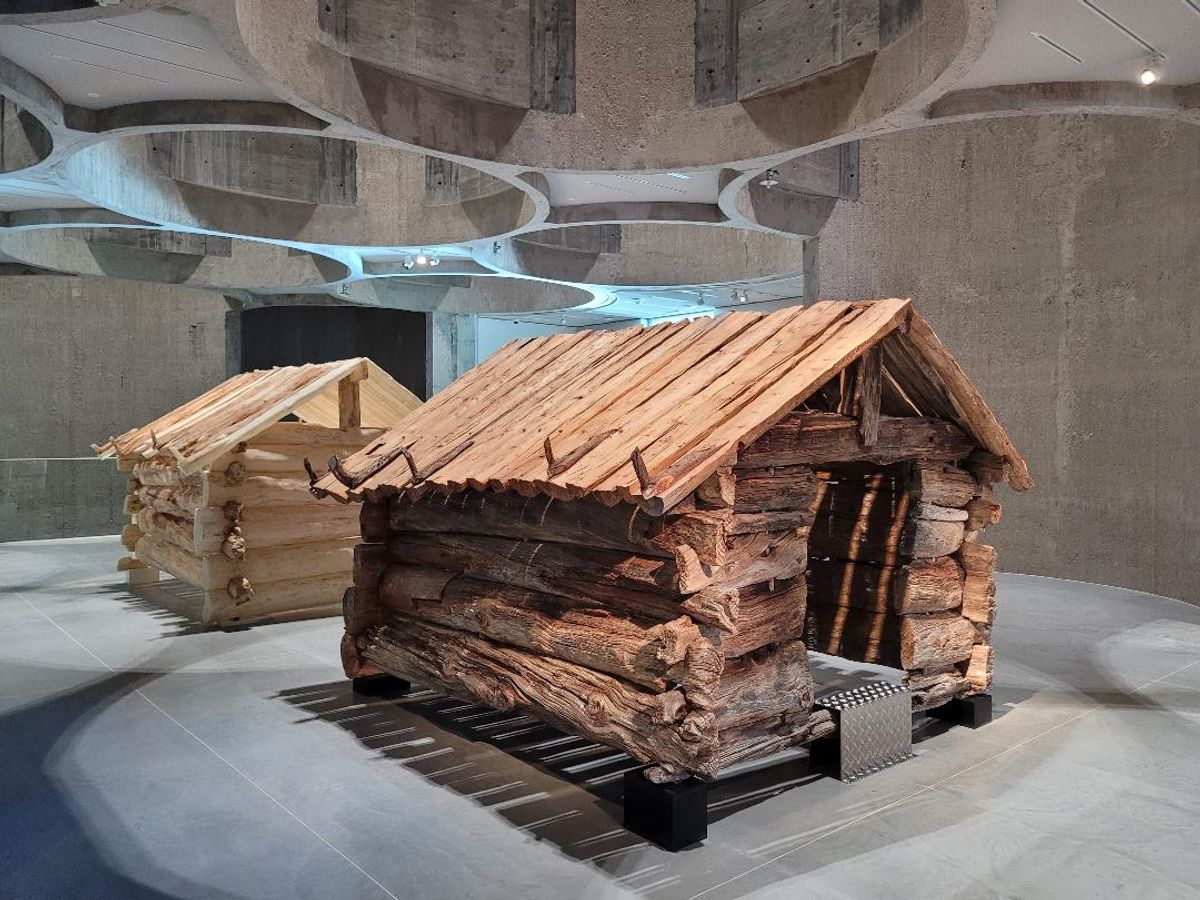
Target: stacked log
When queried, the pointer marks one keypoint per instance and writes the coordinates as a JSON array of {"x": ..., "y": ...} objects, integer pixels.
[
  {"x": 683, "y": 638},
  {"x": 896, "y": 574},
  {"x": 677, "y": 638},
  {"x": 246, "y": 529}
]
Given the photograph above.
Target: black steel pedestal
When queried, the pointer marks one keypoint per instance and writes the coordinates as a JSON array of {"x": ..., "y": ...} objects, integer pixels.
[
  {"x": 973, "y": 711},
  {"x": 673, "y": 816},
  {"x": 380, "y": 686}
]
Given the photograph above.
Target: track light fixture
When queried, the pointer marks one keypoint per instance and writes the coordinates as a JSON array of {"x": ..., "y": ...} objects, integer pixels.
[
  {"x": 408, "y": 262},
  {"x": 770, "y": 178}
]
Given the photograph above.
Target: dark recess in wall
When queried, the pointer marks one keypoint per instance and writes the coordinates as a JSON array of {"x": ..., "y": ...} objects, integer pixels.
[{"x": 292, "y": 335}]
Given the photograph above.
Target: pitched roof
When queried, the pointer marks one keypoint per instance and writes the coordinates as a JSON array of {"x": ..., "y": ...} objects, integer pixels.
[
  {"x": 566, "y": 414},
  {"x": 213, "y": 423}
]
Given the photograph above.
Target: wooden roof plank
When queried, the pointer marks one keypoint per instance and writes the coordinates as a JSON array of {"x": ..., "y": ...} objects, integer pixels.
[
  {"x": 982, "y": 422},
  {"x": 500, "y": 452},
  {"x": 687, "y": 424},
  {"x": 261, "y": 414},
  {"x": 645, "y": 419},
  {"x": 519, "y": 449},
  {"x": 639, "y": 385},
  {"x": 460, "y": 423},
  {"x": 785, "y": 394},
  {"x": 478, "y": 382},
  {"x": 630, "y": 365}
]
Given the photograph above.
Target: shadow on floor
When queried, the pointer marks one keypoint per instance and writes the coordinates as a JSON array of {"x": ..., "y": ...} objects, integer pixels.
[
  {"x": 46, "y": 846},
  {"x": 447, "y": 742}
]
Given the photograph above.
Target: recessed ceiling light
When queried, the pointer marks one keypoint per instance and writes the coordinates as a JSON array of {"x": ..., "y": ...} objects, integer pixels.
[
  {"x": 1152, "y": 73},
  {"x": 422, "y": 259},
  {"x": 92, "y": 94}
]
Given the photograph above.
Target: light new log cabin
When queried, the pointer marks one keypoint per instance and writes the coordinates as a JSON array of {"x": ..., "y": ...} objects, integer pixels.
[
  {"x": 638, "y": 536},
  {"x": 219, "y": 495}
]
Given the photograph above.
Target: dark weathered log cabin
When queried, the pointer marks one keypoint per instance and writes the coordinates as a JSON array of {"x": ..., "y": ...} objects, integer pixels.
[
  {"x": 639, "y": 535},
  {"x": 219, "y": 497}
]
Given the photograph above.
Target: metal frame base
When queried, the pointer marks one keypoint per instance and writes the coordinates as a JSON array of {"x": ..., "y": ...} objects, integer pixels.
[
  {"x": 673, "y": 816},
  {"x": 380, "y": 686},
  {"x": 974, "y": 711}
]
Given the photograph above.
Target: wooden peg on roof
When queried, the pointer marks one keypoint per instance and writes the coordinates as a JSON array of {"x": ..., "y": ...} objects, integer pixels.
[{"x": 639, "y": 469}]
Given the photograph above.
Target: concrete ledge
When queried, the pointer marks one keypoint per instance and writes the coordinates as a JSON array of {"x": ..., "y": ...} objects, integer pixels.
[{"x": 59, "y": 498}]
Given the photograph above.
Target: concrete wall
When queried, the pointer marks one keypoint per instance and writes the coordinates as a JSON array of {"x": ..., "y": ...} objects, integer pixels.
[
  {"x": 86, "y": 358},
  {"x": 1059, "y": 258}
]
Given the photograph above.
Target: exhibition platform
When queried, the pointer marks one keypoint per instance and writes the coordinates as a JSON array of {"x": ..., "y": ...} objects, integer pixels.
[{"x": 146, "y": 755}]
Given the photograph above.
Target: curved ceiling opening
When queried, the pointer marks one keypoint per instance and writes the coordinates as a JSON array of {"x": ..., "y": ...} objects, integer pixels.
[
  {"x": 480, "y": 294},
  {"x": 24, "y": 141},
  {"x": 646, "y": 255},
  {"x": 294, "y": 187},
  {"x": 170, "y": 257},
  {"x": 525, "y": 83}
]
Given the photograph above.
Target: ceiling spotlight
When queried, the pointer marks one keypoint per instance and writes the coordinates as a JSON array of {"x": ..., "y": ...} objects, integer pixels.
[
  {"x": 434, "y": 261},
  {"x": 408, "y": 262},
  {"x": 770, "y": 178},
  {"x": 422, "y": 259},
  {"x": 1152, "y": 73},
  {"x": 741, "y": 297}
]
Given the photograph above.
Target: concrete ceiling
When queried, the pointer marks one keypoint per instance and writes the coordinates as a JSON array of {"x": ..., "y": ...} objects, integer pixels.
[
  {"x": 156, "y": 55},
  {"x": 1089, "y": 40},
  {"x": 377, "y": 143}
]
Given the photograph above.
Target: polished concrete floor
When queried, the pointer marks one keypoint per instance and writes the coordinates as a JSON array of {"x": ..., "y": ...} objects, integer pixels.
[{"x": 142, "y": 756}]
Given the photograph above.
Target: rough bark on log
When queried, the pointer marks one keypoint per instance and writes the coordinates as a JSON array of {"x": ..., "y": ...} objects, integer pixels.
[
  {"x": 868, "y": 390},
  {"x": 352, "y": 662},
  {"x": 922, "y": 586},
  {"x": 651, "y": 727},
  {"x": 366, "y": 606},
  {"x": 766, "y": 615},
  {"x": 942, "y": 483},
  {"x": 583, "y": 522},
  {"x": 983, "y": 511},
  {"x": 177, "y": 531},
  {"x": 652, "y": 655},
  {"x": 765, "y": 683},
  {"x": 631, "y": 583},
  {"x": 934, "y": 640},
  {"x": 979, "y": 587},
  {"x": 717, "y": 491},
  {"x": 979, "y": 669},
  {"x": 171, "y": 501},
  {"x": 373, "y": 522},
  {"x": 764, "y": 739},
  {"x": 765, "y": 556},
  {"x": 777, "y": 487},
  {"x": 934, "y": 690},
  {"x": 813, "y": 438}
]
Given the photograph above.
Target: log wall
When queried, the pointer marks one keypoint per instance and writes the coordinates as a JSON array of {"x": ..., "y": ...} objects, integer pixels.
[
  {"x": 247, "y": 530},
  {"x": 683, "y": 639}
]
